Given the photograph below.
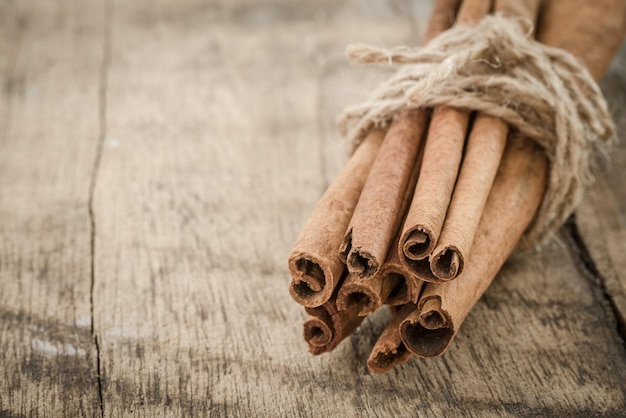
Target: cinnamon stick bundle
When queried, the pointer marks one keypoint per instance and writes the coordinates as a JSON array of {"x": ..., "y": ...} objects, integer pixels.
[
  {"x": 429, "y": 330},
  {"x": 365, "y": 256},
  {"x": 518, "y": 188},
  {"x": 477, "y": 192}
]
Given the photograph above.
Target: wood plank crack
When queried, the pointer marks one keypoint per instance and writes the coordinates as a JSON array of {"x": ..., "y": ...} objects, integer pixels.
[
  {"x": 102, "y": 119},
  {"x": 589, "y": 270}
]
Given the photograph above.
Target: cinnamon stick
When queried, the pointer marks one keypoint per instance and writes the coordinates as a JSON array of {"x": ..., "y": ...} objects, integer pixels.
[
  {"x": 389, "y": 350},
  {"x": 442, "y": 156},
  {"x": 485, "y": 146},
  {"x": 328, "y": 326},
  {"x": 314, "y": 264},
  {"x": 408, "y": 284},
  {"x": 591, "y": 31},
  {"x": 482, "y": 157},
  {"x": 441, "y": 18},
  {"x": 526, "y": 12},
  {"x": 367, "y": 295},
  {"x": 379, "y": 210},
  {"x": 471, "y": 11}
]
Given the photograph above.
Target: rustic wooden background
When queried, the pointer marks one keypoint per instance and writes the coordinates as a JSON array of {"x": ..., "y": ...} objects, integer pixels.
[{"x": 157, "y": 160}]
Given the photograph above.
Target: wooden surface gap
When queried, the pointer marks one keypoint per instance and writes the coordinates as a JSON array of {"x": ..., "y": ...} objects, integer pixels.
[{"x": 157, "y": 161}]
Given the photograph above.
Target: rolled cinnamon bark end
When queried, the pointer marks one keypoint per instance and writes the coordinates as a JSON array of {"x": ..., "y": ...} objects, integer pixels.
[
  {"x": 366, "y": 295},
  {"x": 401, "y": 292},
  {"x": 317, "y": 333},
  {"x": 389, "y": 350},
  {"x": 386, "y": 193},
  {"x": 443, "y": 151},
  {"x": 314, "y": 263},
  {"x": 421, "y": 269},
  {"x": 447, "y": 263},
  {"x": 313, "y": 281},
  {"x": 418, "y": 243},
  {"x": 428, "y": 330},
  {"x": 483, "y": 154},
  {"x": 359, "y": 261},
  {"x": 430, "y": 316},
  {"x": 327, "y": 320},
  {"x": 407, "y": 286}
]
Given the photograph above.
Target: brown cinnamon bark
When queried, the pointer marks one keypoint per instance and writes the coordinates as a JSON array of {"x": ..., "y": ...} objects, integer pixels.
[
  {"x": 482, "y": 157},
  {"x": 513, "y": 201},
  {"x": 448, "y": 304},
  {"x": 367, "y": 295},
  {"x": 314, "y": 263},
  {"x": 328, "y": 326},
  {"x": 389, "y": 350},
  {"x": 441, "y": 19},
  {"x": 442, "y": 156},
  {"x": 440, "y": 165},
  {"x": 471, "y": 11},
  {"x": 379, "y": 210},
  {"x": 590, "y": 30},
  {"x": 526, "y": 11},
  {"x": 485, "y": 146},
  {"x": 408, "y": 286},
  {"x": 394, "y": 284}
]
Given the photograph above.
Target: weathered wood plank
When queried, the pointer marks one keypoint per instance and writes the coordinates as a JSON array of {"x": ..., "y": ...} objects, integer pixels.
[
  {"x": 601, "y": 218},
  {"x": 50, "y": 55},
  {"x": 219, "y": 140}
]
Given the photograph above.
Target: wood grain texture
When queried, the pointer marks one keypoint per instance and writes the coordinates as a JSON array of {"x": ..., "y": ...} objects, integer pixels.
[
  {"x": 601, "y": 218},
  {"x": 50, "y": 57},
  {"x": 218, "y": 139}
]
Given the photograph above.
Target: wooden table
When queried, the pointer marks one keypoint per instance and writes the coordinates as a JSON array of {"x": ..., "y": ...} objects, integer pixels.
[{"x": 157, "y": 160}]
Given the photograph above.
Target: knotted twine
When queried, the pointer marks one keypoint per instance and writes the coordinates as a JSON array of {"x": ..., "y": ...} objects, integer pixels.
[{"x": 541, "y": 92}]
